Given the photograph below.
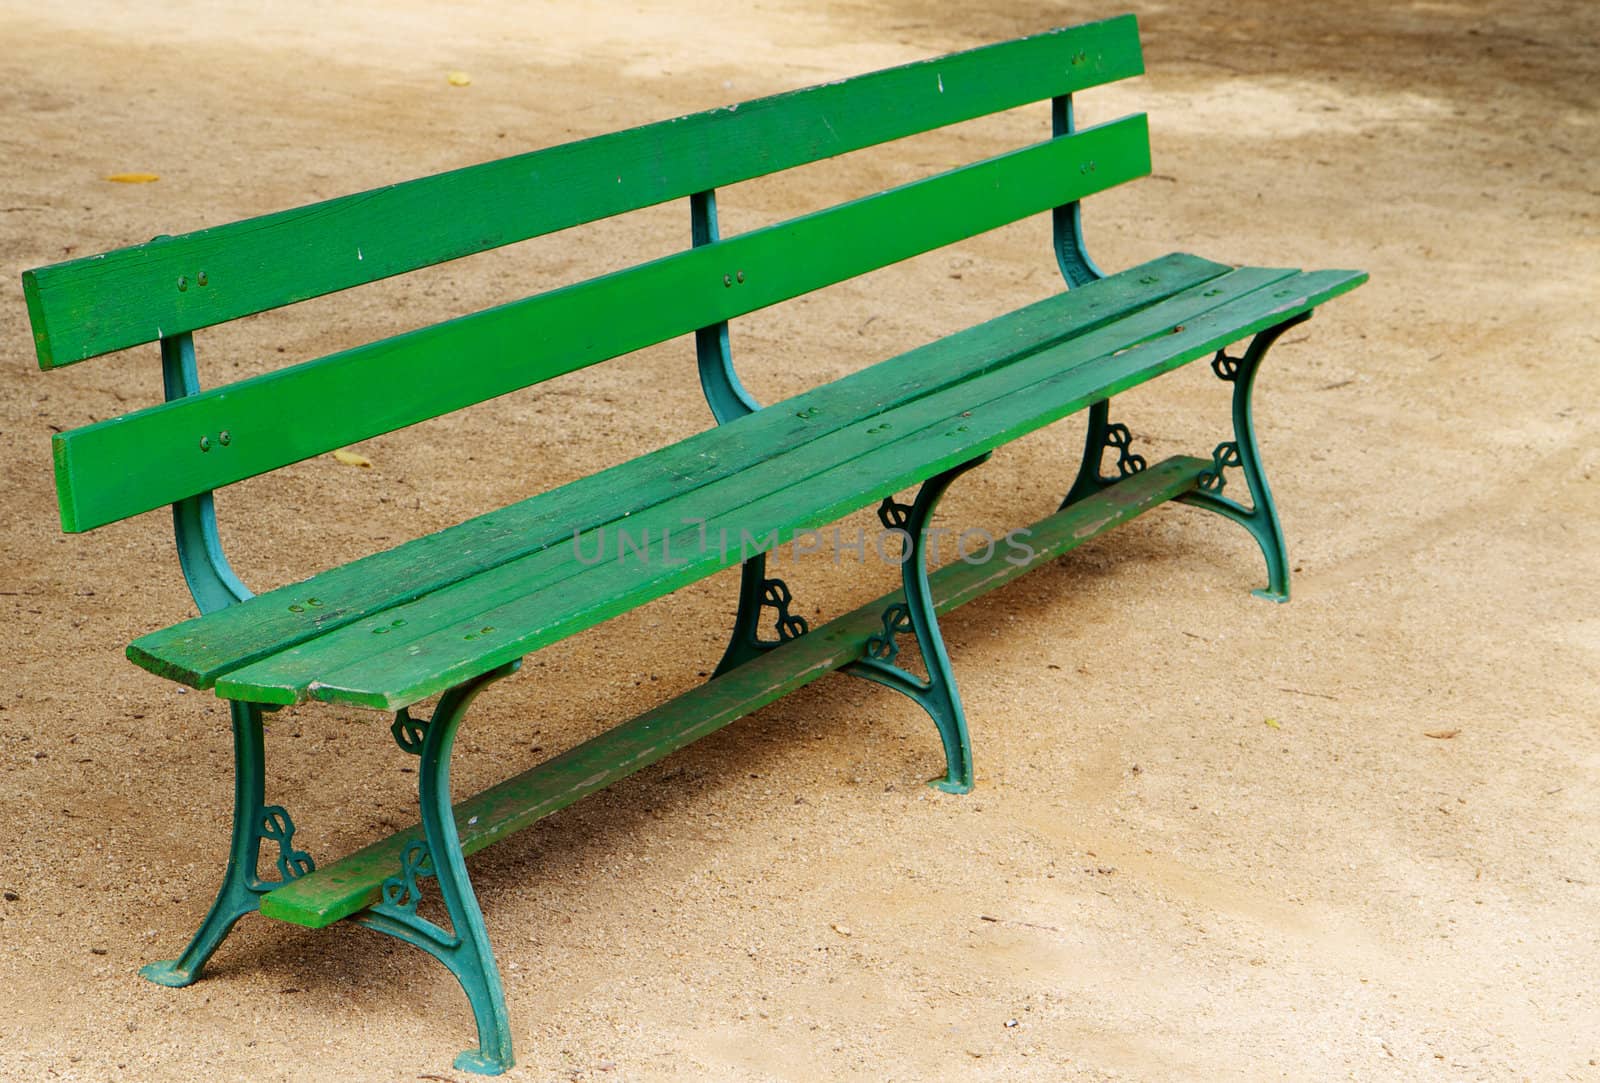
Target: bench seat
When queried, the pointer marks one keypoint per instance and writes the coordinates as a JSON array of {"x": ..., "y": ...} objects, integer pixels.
[{"x": 397, "y": 628}]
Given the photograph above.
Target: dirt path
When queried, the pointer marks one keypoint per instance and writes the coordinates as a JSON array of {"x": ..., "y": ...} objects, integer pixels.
[{"x": 1212, "y": 838}]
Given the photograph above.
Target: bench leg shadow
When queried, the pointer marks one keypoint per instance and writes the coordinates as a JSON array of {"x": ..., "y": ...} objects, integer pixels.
[{"x": 937, "y": 694}]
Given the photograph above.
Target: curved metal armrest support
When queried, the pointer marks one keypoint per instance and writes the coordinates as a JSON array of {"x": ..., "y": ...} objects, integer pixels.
[
  {"x": 1066, "y": 221},
  {"x": 211, "y": 579}
]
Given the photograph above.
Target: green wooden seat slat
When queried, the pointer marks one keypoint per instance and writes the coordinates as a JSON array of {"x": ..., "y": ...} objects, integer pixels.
[
  {"x": 287, "y": 675},
  {"x": 138, "y": 462},
  {"x": 341, "y": 888},
  {"x": 197, "y": 651},
  {"x": 467, "y": 629},
  {"x": 107, "y": 302}
]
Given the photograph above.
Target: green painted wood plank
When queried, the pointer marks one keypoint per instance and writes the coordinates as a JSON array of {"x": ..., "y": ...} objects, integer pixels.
[
  {"x": 341, "y": 888},
  {"x": 143, "y": 460},
  {"x": 107, "y": 302},
  {"x": 288, "y": 675},
  {"x": 196, "y": 652},
  {"x": 466, "y": 628}
]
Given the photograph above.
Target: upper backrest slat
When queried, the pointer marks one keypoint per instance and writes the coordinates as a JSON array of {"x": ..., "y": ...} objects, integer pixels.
[
  {"x": 138, "y": 462},
  {"x": 91, "y": 306}
]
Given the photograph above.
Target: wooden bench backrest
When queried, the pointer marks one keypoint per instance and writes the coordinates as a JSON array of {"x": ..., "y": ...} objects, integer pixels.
[{"x": 170, "y": 287}]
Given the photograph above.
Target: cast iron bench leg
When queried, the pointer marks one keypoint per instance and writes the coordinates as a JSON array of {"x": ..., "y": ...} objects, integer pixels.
[
  {"x": 758, "y": 592},
  {"x": 242, "y": 887},
  {"x": 1101, "y": 436},
  {"x": 937, "y": 694},
  {"x": 1261, "y": 518},
  {"x": 465, "y": 951}
]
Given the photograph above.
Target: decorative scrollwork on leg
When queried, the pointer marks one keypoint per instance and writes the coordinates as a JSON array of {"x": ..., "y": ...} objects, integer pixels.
[
  {"x": 1128, "y": 461},
  {"x": 1225, "y": 456},
  {"x": 277, "y": 826},
  {"x": 883, "y": 646},
  {"x": 401, "y": 891},
  {"x": 775, "y": 595},
  {"x": 1226, "y": 367},
  {"x": 893, "y": 514},
  {"x": 1103, "y": 435},
  {"x": 757, "y": 594},
  {"x": 409, "y": 732}
]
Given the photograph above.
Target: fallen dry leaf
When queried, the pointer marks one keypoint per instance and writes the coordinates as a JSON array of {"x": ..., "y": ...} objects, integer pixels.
[
  {"x": 458, "y": 78},
  {"x": 134, "y": 178},
  {"x": 1440, "y": 735},
  {"x": 350, "y": 458}
]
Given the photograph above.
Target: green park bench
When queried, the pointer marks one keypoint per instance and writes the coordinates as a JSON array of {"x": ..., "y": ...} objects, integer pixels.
[{"x": 447, "y": 614}]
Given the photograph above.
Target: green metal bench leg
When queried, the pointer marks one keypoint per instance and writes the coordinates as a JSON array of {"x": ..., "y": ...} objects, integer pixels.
[
  {"x": 1103, "y": 435},
  {"x": 937, "y": 694},
  {"x": 1261, "y": 518},
  {"x": 242, "y": 888},
  {"x": 465, "y": 952},
  {"x": 757, "y": 592}
]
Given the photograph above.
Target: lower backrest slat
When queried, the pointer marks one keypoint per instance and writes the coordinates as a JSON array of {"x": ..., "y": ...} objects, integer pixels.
[{"x": 124, "y": 466}]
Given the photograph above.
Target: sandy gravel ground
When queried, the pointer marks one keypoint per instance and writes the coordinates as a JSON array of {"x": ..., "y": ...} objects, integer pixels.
[{"x": 1211, "y": 838}]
